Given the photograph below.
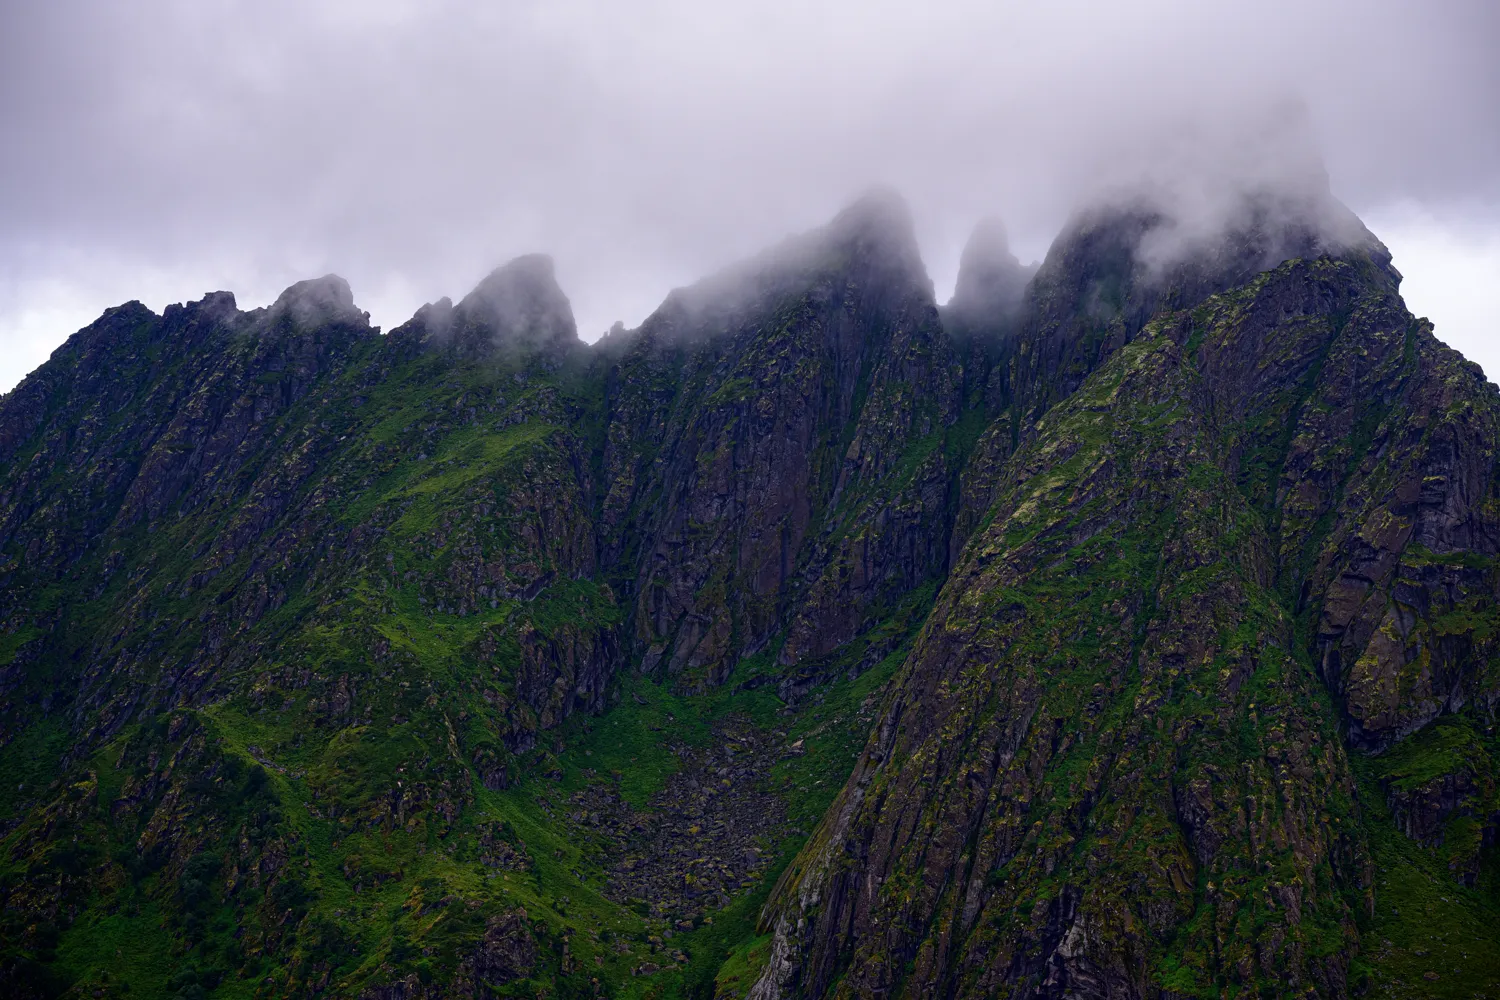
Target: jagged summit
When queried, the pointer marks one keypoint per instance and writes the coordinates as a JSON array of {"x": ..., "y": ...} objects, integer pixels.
[
  {"x": 1119, "y": 262},
  {"x": 1219, "y": 235},
  {"x": 519, "y": 305},
  {"x": 212, "y": 307},
  {"x": 874, "y": 234},
  {"x": 991, "y": 280},
  {"x": 873, "y": 237},
  {"x": 879, "y": 218},
  {"x": 1216, "y": 201},
  {"x": 523, "y": 302},
  {"x": 317, "y": 301}
]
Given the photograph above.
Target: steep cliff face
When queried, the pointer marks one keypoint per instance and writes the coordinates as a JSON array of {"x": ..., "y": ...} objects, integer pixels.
[
  {"x": 139, "y": 422},
  {"x": 984, "y": 321},
  {"x": 1115, "y": 267},
  {"x": 991, "y": 287},
  {"x": 139, "y": 413},
  {"x": 516, "y": 311},
  {"x": 779, "y": 429},
  {"x": 285, "y": 526},
  {"x": 1126, "y": 629},
  {"x": 263, "y": 455},
  {"x": 1106, "y": 768}
]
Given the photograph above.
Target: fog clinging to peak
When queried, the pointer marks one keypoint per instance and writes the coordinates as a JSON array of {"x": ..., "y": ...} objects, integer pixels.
[{"x": 165, "y": 148}]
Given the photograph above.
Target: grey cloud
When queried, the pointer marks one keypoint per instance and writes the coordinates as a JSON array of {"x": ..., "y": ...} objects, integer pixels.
[{"x": 411, "y": 147}]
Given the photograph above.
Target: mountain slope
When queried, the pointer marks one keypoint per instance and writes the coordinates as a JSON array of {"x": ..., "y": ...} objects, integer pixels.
[
  {"x": 468, "y": 660},
  {"x": 1108, "y": 767}
]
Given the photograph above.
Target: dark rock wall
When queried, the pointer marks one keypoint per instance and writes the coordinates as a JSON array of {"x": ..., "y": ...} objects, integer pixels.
[{"x": 1105, "y": 755}]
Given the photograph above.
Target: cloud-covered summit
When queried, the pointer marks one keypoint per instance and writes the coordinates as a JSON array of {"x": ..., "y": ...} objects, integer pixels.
[{"x": 164, "y": 148}]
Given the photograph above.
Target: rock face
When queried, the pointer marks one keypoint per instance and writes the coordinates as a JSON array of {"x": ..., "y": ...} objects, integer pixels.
[
  {"x": 795, "y": 473},
  {"x": 991, "y": 286},
  {"x": 518, "y": 308},
  {"x": 1105, "y": 749},
  {"x": 1125, "y": 628}
]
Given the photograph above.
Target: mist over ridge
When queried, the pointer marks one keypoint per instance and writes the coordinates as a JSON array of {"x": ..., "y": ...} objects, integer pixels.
[
  {"x": 1014, "y": 539},
  {"x": 1189, "y": 195},
  {"x": 411, "y": 149}
]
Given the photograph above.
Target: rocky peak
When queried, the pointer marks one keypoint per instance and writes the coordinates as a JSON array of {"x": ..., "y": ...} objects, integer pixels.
[
  {"x": 220, "y": 303},
  {"x": 991, "y": 280},
  {"x": 871, "y": 244},
  {"x": 519, "y": 304},
  {"x": 317, "y": 302},
  {"x": 1117, "y": 264},
  {"x": 879, "y": 219},
  {"x": 814, "y": 369},
  {"x": 213, "y": 308},
  {"x": 1186, "y": 256}
]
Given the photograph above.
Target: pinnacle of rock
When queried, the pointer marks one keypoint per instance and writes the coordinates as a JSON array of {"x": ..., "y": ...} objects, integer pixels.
[
  {"x": 317, "y": 301},
  {"x": 521, "y": 303},
  {"x": 991, "y": 281}
]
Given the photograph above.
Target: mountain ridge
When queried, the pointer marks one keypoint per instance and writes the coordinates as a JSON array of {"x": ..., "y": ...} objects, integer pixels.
[{"x": 371, "y": 664}]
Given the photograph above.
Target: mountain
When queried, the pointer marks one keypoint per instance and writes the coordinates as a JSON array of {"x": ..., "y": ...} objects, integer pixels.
[{"x": 1124, "y": 627}]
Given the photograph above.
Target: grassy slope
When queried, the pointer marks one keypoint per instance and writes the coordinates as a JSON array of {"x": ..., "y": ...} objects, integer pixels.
[
  {"x": 1430, "y": 935},
  {"x": 402, "y": 917}
]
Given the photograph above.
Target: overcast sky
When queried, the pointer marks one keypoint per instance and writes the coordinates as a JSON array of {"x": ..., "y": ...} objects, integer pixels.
[{"x": 159, "y": 149}]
